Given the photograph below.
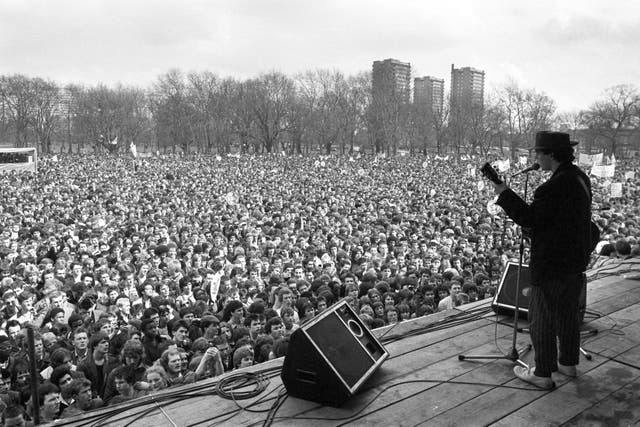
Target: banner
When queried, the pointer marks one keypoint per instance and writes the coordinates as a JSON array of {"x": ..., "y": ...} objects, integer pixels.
[
  {"x": 616, "y": 190},
  {"x": 133, "y": 149},
  {"x": 503, "y": 165},
  {"x": 590, "y": 159},
  {"x": 522, "y": 160},
  {"x": 603, "y": 171},
  {"x": 629, "y": 175}
]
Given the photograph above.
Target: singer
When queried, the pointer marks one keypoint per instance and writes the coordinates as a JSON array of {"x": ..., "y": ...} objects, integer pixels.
[{"x": 559, "y": 219}]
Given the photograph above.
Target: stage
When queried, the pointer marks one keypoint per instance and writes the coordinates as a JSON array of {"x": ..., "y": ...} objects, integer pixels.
[{"x": 424, "y": 383}]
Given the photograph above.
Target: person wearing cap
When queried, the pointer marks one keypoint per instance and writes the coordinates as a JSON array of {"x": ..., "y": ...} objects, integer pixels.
[{"x": 559, "y": 219}]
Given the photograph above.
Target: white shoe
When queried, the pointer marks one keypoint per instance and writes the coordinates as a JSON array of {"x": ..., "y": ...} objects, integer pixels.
[{"x": 527, "y": 375}]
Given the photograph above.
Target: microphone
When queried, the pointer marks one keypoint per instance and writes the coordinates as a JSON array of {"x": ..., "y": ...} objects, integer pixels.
[{"x": 533, "y": 167}]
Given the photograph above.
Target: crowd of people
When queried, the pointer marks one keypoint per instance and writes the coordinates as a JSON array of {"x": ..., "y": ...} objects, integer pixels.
[{"x": 141, "y": 274}]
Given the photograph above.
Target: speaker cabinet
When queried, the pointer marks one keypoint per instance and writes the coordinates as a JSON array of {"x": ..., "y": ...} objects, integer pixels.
[
  {"x": 331, "y": 356},
  {"x": 504, "y": 302}
]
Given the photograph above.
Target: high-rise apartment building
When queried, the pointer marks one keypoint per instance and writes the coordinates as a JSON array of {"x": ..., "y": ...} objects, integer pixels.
[
  {"x": 467, "y": 87},
  {"x": 391, "y": 80},
  {"x": 429, "y": 92}
]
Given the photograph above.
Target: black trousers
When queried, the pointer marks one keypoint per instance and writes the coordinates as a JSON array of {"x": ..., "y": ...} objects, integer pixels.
[{"x": 554, "y": 318}]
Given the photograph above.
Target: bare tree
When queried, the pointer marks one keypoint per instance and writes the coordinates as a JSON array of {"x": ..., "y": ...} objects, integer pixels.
[
  {"x": 202, "y": 94},
  {"x": 271, "y": 96},
  {"x": 355, "y": 104},
  {"x": 17, "y": 96},
  {"x": 617, "y": 112},
  {"x": 525, "y": 111},
  {"x": 45, "y": 111},
  {"x": 173, "y": 112},
  {"x": 239, "y": 112},
  {"x": 322, "y": 94}
]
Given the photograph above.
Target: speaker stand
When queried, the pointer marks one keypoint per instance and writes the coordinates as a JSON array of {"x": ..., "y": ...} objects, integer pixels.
[{"x": 515, "y": 354}]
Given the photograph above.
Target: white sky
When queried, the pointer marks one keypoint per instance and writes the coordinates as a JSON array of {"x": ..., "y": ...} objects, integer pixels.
[{"x": 570, "y": 49}]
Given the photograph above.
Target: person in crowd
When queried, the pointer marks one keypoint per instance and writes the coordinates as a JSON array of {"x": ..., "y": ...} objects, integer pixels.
[
  {"x": 171, "y": 362},
  {"x": 155, "y": 379},
  {"x": 98, "y": 364},
  {"x": 80, "y": 390}
]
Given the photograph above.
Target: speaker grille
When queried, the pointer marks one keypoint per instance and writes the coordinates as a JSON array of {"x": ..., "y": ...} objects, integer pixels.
[{"x": 341, "y": 348}]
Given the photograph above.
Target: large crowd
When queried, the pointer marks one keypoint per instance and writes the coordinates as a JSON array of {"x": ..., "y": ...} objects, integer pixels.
[{"x": 142, "y": 274}]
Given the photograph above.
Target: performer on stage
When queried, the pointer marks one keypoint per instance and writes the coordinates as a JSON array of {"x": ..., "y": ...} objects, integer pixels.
[{"x": 559, "y": 219}]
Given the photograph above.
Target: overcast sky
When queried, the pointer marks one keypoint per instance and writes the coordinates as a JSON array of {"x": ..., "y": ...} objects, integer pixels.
[{"x": 571, "y": 49}]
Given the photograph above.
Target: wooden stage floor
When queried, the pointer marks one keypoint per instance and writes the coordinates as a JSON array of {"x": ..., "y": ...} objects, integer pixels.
[{"x": 424, "y": 383}]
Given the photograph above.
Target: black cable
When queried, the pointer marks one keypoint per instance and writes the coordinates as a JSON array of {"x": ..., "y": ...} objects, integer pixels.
[
  {"x": 166, "y": 399},
  {"x": 355, "y": 415}
]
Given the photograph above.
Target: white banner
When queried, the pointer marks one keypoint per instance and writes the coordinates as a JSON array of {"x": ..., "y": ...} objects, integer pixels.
[
  {"x": 503, "y": 165},
  {"x": 616, "y": 190},
  {"x": 603, "y": 171},
  {"x": 629, "y": 175},
  {"x": 589, "y": 159}
]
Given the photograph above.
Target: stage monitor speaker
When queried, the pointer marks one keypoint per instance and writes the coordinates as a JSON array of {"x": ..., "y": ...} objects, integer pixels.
[
  {"x": 504, "y": 301},
  {"x": 331, "y": 356}
]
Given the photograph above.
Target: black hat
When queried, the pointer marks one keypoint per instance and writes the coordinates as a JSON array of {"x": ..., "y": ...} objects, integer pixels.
[{"x": 553, "y": 141}]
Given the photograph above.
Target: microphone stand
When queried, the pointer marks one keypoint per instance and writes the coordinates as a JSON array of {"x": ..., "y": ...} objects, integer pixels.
[{"x": 514, "y": 354}]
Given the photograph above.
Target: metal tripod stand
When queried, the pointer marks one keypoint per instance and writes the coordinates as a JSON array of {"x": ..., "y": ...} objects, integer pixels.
[{"x": 515, "y": 354}]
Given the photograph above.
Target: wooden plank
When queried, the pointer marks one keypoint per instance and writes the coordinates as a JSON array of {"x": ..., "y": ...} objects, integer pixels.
[
  {"x": 574, "y": 397},
  {"x": 500, "y": 402},
  {"x": 614, "y": 303},
  {"x": 619, "y": 408},
  {"x": 442, "y": 370}
]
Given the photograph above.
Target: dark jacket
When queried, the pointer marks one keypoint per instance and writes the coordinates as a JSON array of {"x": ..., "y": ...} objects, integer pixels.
[
  {"x": 90, "y": 370},
  {"x": 110, "y": 389},
  {"x": 559, "y": 218}
]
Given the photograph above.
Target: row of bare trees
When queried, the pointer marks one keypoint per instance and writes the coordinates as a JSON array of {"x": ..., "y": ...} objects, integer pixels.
[{"x": 317, "y": 111}]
